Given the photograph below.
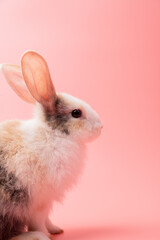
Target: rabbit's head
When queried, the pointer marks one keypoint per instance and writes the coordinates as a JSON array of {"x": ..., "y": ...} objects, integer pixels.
[{"x": 32, "y": 82}]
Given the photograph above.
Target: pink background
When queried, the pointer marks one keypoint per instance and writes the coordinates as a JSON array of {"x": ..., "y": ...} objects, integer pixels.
[{"x": 106, "y": 52}]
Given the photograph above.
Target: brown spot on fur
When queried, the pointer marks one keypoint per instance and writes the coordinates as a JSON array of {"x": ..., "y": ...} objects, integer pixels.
[
  {"x": 78, "y": 124},
  {"x": 10, "y": 144},
  {"x": 12, "y": 193},
  {"x": 11, "y": 126},
  {"x": 60, "y": 118},
  {"x": 10, "y": 139}
]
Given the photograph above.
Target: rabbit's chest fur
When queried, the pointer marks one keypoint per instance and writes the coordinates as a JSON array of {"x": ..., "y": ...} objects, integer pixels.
[
  {"x": 53, "y": 160},
  {"x": 44, "y": 161}
]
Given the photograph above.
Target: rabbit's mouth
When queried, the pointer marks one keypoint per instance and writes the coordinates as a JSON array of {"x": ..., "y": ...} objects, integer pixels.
[{"x": 94, "y": 134}]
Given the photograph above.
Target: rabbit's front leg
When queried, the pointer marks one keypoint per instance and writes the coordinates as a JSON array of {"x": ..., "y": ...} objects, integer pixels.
[
  {"x": 37, "y": 221},
  {"x": 52, "y": 229}
]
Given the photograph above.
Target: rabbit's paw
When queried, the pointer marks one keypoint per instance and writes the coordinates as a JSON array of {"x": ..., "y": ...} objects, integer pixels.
[
  {"x": 52, "y": 229},
  {"x": 31, "y": 236},
  {"x": 55, "y": 230}
]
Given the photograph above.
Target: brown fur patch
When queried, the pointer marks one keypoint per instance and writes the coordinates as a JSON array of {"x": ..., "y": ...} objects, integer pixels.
[
  {"x": 5, "y": 196},
  {"x": 60, "y": 118},
  {"x": 10, "y": 138},
  {"x": 78, "y": 124}
]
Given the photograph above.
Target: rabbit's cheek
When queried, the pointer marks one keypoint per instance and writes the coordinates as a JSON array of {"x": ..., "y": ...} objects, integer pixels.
[{"x": 77, "y": 125}]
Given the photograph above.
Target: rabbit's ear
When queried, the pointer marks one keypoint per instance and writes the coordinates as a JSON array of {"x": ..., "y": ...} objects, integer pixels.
[
  {"x": 37, "y": 78},
  {"x": 14, "y": 77}
]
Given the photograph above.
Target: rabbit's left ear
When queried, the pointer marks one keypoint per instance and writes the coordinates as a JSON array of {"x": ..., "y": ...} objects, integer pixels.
[
  {"x": 37, "y": 78},
  {"x": 14, "y": 77}
]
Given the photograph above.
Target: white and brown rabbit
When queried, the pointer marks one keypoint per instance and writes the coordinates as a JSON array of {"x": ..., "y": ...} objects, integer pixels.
[{"x": 40, "y": 158}]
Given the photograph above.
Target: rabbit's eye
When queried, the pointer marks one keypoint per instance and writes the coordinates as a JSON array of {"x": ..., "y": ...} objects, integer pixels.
[{"x": 76, "y": 113}]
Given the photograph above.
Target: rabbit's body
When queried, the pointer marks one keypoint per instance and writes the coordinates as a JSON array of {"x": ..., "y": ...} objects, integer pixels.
[
  {"x": 41, "y": 158},
  {"x": 48, "y": 164}
]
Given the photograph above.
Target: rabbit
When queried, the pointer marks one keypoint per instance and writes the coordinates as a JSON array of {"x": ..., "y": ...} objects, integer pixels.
[{"x": 43, "y": 157}]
